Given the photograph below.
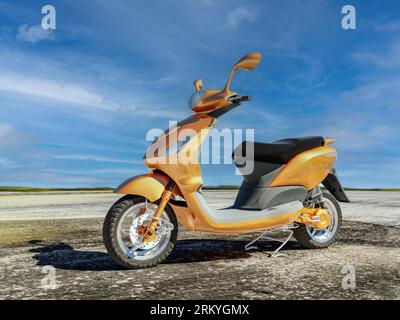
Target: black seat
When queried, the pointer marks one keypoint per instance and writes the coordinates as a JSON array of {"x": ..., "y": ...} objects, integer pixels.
[{"x": 280, "y": 151}]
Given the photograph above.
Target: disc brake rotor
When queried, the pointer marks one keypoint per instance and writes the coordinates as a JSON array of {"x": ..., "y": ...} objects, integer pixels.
[{"x": 138, "y": 240}]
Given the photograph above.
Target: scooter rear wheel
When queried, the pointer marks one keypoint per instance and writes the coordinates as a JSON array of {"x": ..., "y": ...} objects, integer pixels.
[
  {"x": 316, "y": 239},
  {"x": 121, "y": 237}
]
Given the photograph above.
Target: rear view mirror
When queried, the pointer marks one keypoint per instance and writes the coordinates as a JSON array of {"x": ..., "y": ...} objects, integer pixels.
[{"x": 248, "y": 62}]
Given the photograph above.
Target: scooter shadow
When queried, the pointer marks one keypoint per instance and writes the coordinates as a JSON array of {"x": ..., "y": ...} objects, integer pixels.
[{"x": 64, "y": 256}]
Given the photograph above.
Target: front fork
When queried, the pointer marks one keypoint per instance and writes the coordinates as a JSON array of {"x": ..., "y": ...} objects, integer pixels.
[{"x": 166, "y": 196}]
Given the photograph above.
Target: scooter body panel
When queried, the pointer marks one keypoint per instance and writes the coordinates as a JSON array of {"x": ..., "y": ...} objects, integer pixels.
[
  {"x": 182, "y": 165},
  {"x": 265, "y": 197},
  {"x": 232, "y": 221},
  {"x": 307, "y": 169}
]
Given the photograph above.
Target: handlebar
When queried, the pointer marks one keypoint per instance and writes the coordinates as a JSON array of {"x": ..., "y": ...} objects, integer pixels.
[{"x": 240, "y": 99}]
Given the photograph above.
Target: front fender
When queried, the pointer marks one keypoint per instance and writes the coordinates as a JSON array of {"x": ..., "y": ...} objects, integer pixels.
[{"x": 150, "y": 186}]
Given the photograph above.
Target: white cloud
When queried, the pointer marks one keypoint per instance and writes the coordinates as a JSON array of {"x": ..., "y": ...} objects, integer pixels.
[
  {"x": 46, "y": 89},
  {"x": 161, "y": 112},
  {"x": 375, "y": 94},
  {"x": 352, "y": 136},
  {"x": 84, "y": 157},
  {"x": 34, "y": 33},
  {"x": 388, "y": 59},
  {"x": 71, "y": 93},
  {"x": 276, "y": 122},
  {"x": 236, "y": 16}
]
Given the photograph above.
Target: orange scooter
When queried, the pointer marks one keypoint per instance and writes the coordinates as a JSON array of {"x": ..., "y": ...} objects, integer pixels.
[{"x": 281, "y": 191}]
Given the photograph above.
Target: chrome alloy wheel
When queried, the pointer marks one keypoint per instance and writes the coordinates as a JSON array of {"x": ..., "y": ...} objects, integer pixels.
[
  {"x": 327, "y": 233},
  {"x": 132, "y": 244}
]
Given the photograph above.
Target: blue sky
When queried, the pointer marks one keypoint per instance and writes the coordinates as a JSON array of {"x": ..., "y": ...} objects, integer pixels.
[{"x": 76, "y": 102}]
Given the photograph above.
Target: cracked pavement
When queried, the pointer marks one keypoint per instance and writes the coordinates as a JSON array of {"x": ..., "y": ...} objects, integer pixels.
[{"x": 35, "y": 232}]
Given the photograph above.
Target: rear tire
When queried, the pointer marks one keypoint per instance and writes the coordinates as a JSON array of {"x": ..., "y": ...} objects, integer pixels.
[
  {"x": 321, "y": 238},
  {"x": 112, "y": 241}
]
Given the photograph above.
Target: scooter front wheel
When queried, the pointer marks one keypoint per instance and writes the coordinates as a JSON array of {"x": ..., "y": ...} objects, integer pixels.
[{"x": 123, "y": 238}]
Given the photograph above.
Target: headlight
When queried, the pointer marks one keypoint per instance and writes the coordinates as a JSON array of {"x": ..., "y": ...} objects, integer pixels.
[{"x": 195, "y": 98}]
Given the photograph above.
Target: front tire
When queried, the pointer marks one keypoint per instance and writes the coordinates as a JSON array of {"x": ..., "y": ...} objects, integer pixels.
[
  {"x": 118, "y": 234},
  {"x": 317, "y": 239}
]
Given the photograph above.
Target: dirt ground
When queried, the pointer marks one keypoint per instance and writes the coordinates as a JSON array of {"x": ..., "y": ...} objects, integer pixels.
[{"x": 363, "y": 264}]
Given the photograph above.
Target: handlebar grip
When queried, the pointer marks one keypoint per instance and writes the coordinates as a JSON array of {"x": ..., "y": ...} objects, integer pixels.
[{"x": 241, "y": 99}]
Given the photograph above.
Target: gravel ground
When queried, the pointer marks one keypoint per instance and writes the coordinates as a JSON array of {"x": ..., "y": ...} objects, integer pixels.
[{"x": 62, "y": 232}]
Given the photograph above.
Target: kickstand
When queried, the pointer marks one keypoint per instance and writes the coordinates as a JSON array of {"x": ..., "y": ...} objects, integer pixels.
[{"x": 274, "y": 254}]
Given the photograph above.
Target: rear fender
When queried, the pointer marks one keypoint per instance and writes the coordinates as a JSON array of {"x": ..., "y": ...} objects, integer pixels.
[
  {"x": 333, "y": 185},
  {"x": 151, "y": 186}
]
